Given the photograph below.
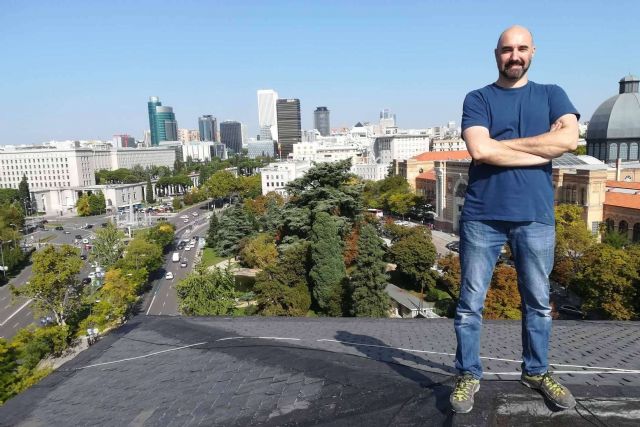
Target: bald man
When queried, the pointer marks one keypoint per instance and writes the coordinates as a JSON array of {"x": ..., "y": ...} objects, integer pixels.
[{"x": 512, "y": 128}]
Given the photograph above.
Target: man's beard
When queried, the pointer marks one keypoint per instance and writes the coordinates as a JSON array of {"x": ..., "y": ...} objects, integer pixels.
[{"x": 513, "y": 74}]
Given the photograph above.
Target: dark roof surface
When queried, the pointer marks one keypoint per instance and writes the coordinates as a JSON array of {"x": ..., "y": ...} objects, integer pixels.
[{"x": 157, "y": 371}]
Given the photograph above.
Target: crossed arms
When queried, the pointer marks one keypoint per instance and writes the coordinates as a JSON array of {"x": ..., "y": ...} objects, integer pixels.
[{"x": 530, "y": 151}]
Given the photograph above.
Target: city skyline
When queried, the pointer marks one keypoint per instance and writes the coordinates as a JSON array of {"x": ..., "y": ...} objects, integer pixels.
[{"x": 357, "y": 59}]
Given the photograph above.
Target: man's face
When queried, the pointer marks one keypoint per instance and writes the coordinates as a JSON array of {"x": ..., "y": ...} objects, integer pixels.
[{"x": 514, "y": 54}]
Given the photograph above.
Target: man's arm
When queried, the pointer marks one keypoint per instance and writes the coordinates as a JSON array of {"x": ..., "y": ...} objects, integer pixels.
[
  {"x": 483, "y": 149},
  {"x": 562, "y": 137}
]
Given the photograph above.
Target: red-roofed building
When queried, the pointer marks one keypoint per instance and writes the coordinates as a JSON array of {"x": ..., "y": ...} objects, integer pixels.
[
  {"x": 622, "y": 208},
  {"x": 424, "y": 162}
]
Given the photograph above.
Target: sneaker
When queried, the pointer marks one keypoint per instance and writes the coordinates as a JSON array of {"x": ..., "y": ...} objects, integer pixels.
[
  {"x": 555, "y": 392},
  {"x": 462, "y": 396}
]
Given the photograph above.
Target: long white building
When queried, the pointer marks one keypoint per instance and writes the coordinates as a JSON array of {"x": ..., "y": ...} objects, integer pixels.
[
  {"x": 276, "y": 176},
  {"x": 67, "y": 164}
]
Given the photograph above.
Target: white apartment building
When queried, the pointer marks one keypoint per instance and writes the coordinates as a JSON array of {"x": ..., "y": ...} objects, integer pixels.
[
  {"x": 326, "y": 152},
  {"x": 371, "y": 172},
  {"x": 456, "y": 144},
  {"x": 186, "y": 135},
  {"x": 267, "y": 119},
  {"x": 112, "y": 159},
  {"x": 399, "y": 147},
  {"x": 277, "y": 175}
]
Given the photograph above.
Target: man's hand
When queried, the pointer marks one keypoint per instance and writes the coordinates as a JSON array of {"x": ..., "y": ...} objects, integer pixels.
[
  {"x": 484, "y": 149},
  {"x": 562, "y": 137}
]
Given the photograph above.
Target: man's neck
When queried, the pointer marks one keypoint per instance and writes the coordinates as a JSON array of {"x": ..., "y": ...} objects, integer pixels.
[{"x": 510, "y": 84}]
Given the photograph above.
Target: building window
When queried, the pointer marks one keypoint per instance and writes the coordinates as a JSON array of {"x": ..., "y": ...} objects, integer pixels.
[
  {"x": 633, "y": 151},
  {"x": 613, "y": 152}
]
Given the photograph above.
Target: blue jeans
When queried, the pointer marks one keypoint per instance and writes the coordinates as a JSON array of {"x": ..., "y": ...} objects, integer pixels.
[{"x": 532, "y": 245}]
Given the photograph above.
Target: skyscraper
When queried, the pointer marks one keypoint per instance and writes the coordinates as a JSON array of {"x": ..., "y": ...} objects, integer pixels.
[
  {"x": 162, "y": 122},
  {"x": 267, "y": 120},
  {"x": 289, "y": 125},
  {"x": 208, "y": 128},
  {"x": 166, "y": 124},
  {"x": 321, "y": 121},
  {"x": 231, "y": 135},
  {"x": 154, "y": 102}
]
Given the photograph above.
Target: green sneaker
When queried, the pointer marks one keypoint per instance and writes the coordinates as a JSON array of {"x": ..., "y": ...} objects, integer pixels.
[
  {"x": 555, "y": 392},
  {"x": 462, "y": 396}
]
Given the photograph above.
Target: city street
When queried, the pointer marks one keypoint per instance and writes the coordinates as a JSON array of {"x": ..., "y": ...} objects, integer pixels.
[{"x": 15, "y": 313}]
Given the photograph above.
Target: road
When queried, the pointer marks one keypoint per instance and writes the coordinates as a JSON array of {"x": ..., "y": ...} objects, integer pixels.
[
  {"x": 15, "y": 313},
  {"x": 163, "y": 299}
]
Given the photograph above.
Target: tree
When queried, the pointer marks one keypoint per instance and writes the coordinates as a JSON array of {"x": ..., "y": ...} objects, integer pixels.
[
  {"x": 221, "y": 184},
  {"x": 327, "y": 271},
  {"x": 149, "y": 191},
  {"x": 25, "y": 195},
  {"x": 572, "y": 240},
  {"x": 414, "y": 256},
  {"x": 401, "y": 203},
  {"x": 259, "y": 251},
  {"x": 213, "y": 229},
  {"x": 107, "y": 246},
  {"x": 54, "y": 286},
  {"x": 450, "y": 266},
  {"x": 282, "y": 287},
  {"x": 615, "y": 239},
  {"x": 82, "y": 206},
  {"x": 113, "y": 302},
  {"x": 235, "y": 225},
  {"x": 207, "y": 293},
  {"x": 369, "y": 278},
  {"x": 97, "y": 204},
  {"x": 607, "y": 282},
  {"x": 503, "y": 298},
  {"x": 249, "y": 187},
  {"x": 141, "y": 253},
  {"x": 178, "y": 165},
  {"x": 176, "y": 203},
  {"x": 162, "y": 234}
]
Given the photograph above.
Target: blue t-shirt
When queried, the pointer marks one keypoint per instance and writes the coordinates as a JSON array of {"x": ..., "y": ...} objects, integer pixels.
[{"x": 512, "y": 193}]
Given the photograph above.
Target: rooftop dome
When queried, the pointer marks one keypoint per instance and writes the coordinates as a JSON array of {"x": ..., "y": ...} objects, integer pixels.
[{"x": 618, "y": 116}]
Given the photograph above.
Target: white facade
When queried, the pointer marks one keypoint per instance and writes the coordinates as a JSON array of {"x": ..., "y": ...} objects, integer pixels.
[
  {"x": 325, "y": 152},
  {"x": 399, "y": 147},
  {"x": 276, "y": 176},
  {"x": 66, "y": 164},
  {"x": 62, "y": 201},
  {"x": 372, "y": 172},
  {"x": 267, "y": 118},
  {"x": 199, "y": 151},
  {"x": 185, "y": 135},
  {"x": 448, "y": 145},
  {"x": 46, "y": 167}
]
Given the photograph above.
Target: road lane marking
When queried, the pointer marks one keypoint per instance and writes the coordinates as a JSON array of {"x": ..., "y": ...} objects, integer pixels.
[
  {"x": 152, "y": 300},
  {"x": 16, "y": 312},
  {"x": 16, "y": 325}
]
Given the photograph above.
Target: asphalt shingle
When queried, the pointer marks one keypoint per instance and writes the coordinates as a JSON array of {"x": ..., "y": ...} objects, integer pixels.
[{"x": 335, "y": 372}]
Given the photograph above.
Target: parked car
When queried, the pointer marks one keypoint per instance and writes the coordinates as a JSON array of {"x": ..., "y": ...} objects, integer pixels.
[
  {"x": 83, "y": 257},
  {"x": 187, "y": 248},
  {"x": 169, "y": 275},
  {"x": 86, "y": 281},
  {"x": 453, "y": 246},
  {"x": 104, "y": 224},
  {"x": 185, "y": 220},
  {"x": 572, "y": 310},
  {"x": 59, "y": 227},
  {"x": 195, "y": 214},
  {"x": 79, "y": 237},
  {"x": 184, "y": 217},
  {"x": 183, "y": 263},
  {"x": 88, "y": 226},
  {"x": 85, "y": 241}
]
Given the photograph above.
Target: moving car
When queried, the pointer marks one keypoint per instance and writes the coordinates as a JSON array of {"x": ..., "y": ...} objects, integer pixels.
[
  {"x": 175, "y": 257},
  {"x": 85, "y": 241},
  {"x": 187, "y": 248},
  {"x": 195, "y": 214},
  {"x": 183, "y": 263},
  {"x": 86, "y": 281},
  {"x": 59, "y": 227},
  {"x": 79, "y": 237},
  {"x": 185, "y": 220},
  {"x": 83, "y": 257},
  {"x": 169, "y": 275}
]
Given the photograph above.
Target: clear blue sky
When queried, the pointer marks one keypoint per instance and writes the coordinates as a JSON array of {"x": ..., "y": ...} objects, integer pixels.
[{"x": 85, "y": 69}]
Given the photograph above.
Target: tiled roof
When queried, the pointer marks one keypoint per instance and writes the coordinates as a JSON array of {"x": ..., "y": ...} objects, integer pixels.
[
  {"x": 622, "y": 200},
  {"x": 443, "y": 155},
  {"x": 624, "y": 184},
  {"x": 429, "y": 175},
  {"x": 262, "y": 371}
]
